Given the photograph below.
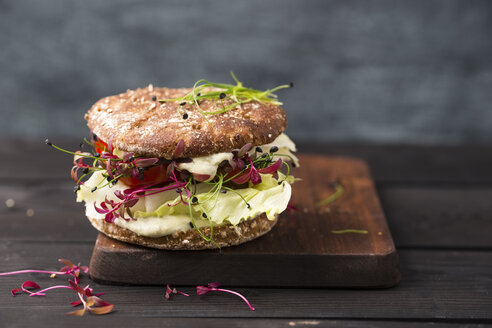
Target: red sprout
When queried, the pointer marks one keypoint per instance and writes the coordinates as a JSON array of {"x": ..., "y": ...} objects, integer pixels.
[
  {"x": 144, "y": 162},
  {"x": 170, "y": 291},
  {"x": 179, "y": 149},
  {"x": 202, "y": 290},
  {"x": 24, "y": 286},
  {"x": 252, "y": 175},
  {"x": 92, "y": 302},
  {"x": 110, "y": 144},
  {"x": 272, "y": 168},
  {"x": 129, "y": 197}
]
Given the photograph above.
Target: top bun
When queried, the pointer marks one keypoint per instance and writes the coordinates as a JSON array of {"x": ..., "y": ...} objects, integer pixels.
[{"x": 137, "y": 123}]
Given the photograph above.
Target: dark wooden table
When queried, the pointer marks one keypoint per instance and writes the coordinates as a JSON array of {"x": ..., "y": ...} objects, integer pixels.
[{"x": 438, "y": 202}]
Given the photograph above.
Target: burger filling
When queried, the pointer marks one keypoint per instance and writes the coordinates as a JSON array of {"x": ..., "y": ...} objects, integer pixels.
[{"x": 155, "y": 197}]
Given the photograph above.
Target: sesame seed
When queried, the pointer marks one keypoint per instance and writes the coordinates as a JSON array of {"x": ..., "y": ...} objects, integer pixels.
[
  {"x": 185, "y": 116},
  {"x": 183, "y": 103},
  {"x": 10, "y": 203},
  {"x": 204, "y": 215},
  {"x": 93, "y": 189},
  {"x": 154, "y": 98},
  {"x": 222, "y": 95}
]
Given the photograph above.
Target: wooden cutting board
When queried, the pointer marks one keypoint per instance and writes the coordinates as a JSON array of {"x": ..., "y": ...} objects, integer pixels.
[{"x": 302, "y": 250}]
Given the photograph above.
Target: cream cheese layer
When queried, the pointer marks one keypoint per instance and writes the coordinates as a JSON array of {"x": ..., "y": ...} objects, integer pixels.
[{"x": 207, "y": 165}]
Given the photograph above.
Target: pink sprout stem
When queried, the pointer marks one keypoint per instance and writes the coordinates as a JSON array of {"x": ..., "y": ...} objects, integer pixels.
[
  {"x": 157, "y": 190},
  {"x": 30, "y": 271},
  {"x": 82, "y": 299},
  {"x": 41, "y": 292},
  {"x": 184, "y": 294},
  {"x": 235, "y": 293}
]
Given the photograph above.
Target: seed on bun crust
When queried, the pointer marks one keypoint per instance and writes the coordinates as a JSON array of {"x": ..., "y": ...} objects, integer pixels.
[{"x": 137, "y": 123}]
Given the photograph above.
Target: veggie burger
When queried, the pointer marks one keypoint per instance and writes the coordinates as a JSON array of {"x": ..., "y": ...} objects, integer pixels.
[{"x": 197, "y": 168}]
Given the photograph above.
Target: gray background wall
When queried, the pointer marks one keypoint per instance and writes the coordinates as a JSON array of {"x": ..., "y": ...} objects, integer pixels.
[{"x": 372, "y": 71}]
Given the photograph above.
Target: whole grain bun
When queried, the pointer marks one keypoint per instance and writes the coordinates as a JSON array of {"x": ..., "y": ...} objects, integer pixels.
[
  {"x": 137, "y": 123},
  {"x": 226, "y": 235}
]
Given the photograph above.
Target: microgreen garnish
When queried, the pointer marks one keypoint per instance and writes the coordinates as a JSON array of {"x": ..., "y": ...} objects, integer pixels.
[
  {"x": 339, "y": 190},
  {"x": 363, "y": 232},
  {"x": 146, "y": 176},
  {"x": 213, "y": 286},
  {"x": 170, "y": 291},
  {"x": 218, "y": 92},
  {"x": 90, "y": 301}
]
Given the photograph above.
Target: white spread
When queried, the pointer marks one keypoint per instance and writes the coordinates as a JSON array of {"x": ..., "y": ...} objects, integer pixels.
[{"x": 207, "y": 165}]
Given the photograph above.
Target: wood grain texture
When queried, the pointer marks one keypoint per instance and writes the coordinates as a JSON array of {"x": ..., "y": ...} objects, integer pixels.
[
  {"x": 406, "y": 164},
  {"x": 452, "y": 217},
  {"x": 300, "y": 251},
  {"x": 437, "y": 286},
  {"x": 15, "y": 318}
]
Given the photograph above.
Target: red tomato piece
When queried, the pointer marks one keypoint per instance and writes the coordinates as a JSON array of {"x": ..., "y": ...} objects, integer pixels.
[
  {"x": 100, "y": 146},
  {"x": 154, "y": 174}
]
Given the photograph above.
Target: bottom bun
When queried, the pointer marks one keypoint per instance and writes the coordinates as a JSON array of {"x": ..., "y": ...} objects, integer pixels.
[{"x": 223, "y": 236}]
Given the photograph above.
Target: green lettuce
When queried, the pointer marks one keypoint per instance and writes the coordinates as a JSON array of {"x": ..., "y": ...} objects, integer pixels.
[{"x": 268, "y": 197}]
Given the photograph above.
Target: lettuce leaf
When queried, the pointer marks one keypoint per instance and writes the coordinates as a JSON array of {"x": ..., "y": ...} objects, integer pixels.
[{"x": 267, "y": 197}]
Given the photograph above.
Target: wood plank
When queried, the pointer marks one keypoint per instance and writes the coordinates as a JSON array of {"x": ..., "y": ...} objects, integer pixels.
[
  {"x": 436, "y": 286},
  {"x": 439, "y": 217},
  {"x": 451, "y": 217},
  {"x": 389, "y": 163},
  {"x": 17, "y": 318},
  {"x": 300, "y": 245},
  {"x": 33, "y": 159},
  {"x": 417, "y": 164}
]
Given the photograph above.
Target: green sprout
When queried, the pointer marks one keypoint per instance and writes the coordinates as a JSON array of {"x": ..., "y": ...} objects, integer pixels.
[
  {"x": 217, "y": 92},
  {"x": 339, "y": 190}
]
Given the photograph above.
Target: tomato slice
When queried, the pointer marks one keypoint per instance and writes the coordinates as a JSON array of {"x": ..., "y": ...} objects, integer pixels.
[
  {"x": 233, "y": 173},
  {"x": 100, "y": 146},
  {"x": 154, "y": 174}
]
